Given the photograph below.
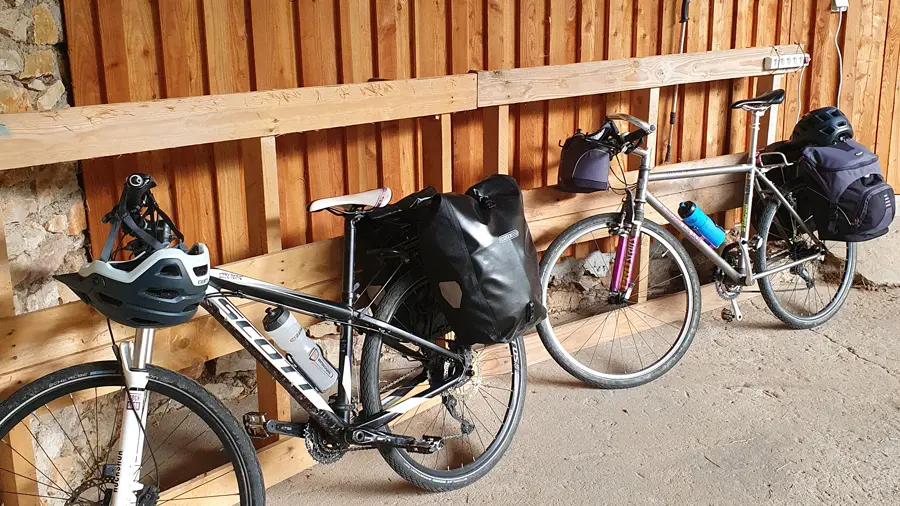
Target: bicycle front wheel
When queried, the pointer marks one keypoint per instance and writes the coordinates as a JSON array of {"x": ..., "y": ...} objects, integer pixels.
[
  {"x": 61, "y": 436},
  {"x": 602, "y": 336}
]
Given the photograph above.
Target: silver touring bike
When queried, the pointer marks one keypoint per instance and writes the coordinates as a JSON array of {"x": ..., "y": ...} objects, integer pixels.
[{"x": 625, "y": 307}]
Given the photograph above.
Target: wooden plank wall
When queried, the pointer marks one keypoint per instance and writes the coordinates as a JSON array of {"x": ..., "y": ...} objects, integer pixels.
[{"x": 126, "y": 50}]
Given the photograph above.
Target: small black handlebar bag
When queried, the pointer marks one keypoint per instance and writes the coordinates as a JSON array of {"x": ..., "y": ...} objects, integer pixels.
[{"x": 584, "y": 165}]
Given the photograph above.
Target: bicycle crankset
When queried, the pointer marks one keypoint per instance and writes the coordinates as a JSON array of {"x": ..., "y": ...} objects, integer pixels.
[
  {"x": 727, "y": 288},
  {"x": 322, "y": 449}
]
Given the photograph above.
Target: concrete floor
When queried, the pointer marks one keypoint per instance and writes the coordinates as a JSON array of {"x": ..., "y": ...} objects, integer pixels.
[{"x": 755, "y": 413}]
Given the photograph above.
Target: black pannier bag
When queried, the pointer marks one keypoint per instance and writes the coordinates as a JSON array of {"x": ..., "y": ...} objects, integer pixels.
[
  {"x": 789, "y": 180},
  {"x": 480, "y": 260},
  {"x": 387, "y": 238},
  {"x": 584, "y": 165},
  {"x": 847, "y": 194}
]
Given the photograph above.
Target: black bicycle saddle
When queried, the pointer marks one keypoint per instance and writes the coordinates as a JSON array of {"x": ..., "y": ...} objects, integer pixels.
[{"x": 773, "y": 97}]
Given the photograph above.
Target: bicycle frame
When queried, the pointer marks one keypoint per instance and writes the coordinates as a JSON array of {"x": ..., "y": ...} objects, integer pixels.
[
  {"x": 224, "y": 284},
  {"x": 625, "y": 252}
]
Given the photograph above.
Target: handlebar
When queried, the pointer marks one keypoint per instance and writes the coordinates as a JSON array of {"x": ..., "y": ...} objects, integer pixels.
[
  {"x": 685, "y": 7},
  {"x": 643, "y": 125}
]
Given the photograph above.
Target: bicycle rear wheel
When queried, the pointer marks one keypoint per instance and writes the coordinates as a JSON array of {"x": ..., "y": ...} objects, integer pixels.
[
  {"x": 809, "y": 294},
  {"x": 603, "y": 338},
  {"x": 70, "y": 421},
  {"x": 476, "y": 419}
]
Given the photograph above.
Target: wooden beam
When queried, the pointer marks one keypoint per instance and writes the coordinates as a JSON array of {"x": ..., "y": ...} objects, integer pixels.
[
  {"x": 437, "y": 152},
  {"x": 513, "y": 86},
  {"x": 261, "y": 185},
  {"x": 80, "y": 133},
  {"x": 495, "y": 144},
  {"x": 44, "y": 341}
]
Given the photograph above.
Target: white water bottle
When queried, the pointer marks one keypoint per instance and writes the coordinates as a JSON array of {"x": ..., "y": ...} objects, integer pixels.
[{"x": 301, "y": 351}]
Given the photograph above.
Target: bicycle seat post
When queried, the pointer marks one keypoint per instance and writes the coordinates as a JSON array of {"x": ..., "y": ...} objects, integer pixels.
[{"x": 344, "y": 405}]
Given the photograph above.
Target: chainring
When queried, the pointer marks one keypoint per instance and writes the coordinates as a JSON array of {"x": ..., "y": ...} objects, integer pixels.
[
  {"x": 320, "y": 448},
  {"x": 725, "y": 286}
]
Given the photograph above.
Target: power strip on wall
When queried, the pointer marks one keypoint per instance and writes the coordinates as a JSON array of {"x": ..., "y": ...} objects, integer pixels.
[
  {"x": 840, "y": 5},
  {"x": 792, "y": 61}
]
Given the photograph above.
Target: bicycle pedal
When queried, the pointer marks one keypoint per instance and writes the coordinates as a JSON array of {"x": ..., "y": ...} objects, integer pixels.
[{"x": 255, "y": 425}]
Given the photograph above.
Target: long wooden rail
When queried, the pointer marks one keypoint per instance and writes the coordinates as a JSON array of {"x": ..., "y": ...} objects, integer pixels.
[{"x": 44, "y": 341}]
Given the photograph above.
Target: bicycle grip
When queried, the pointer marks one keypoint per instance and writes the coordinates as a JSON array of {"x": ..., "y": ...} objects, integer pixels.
[
  {"x": 137, "y": 186},
  {"x": 685, "y": 7}
]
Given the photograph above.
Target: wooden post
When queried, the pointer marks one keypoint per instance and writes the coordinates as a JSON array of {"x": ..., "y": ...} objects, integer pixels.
[
  {"x": 6, "y": 289},
  {"x": 261, "y": 182},
  {"x": 18, "y": 475},
  {"x": 769, "y": 127},
  {"x": 261, "y": 185},
  {"x": 16, "y": 450},
  {"x": 437, "y": 155},
  {"x": 496, "y": 140}
]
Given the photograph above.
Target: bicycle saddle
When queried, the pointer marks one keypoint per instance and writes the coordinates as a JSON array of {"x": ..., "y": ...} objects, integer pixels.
[
  {"x": 372, "y": 198},
  {"x": 771, "y": 98}
]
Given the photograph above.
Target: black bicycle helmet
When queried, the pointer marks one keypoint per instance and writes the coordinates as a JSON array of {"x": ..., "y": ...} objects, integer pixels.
[
  {"x": 163, "y": 285},
  {"x": 822, "y": 127}
]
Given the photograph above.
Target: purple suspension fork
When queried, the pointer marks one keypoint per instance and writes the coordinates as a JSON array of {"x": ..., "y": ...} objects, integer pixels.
[{"x": 624, "y": 261}]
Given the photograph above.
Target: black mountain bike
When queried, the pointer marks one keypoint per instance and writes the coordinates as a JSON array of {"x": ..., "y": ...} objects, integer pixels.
[{"x": 126, "y": 432}]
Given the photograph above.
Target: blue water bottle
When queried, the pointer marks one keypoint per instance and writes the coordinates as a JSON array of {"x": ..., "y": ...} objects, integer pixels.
[{"x": 701, "y": 223}]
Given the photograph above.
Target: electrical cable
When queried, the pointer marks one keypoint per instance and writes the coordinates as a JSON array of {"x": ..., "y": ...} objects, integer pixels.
[{"x": 837, "y": 46}]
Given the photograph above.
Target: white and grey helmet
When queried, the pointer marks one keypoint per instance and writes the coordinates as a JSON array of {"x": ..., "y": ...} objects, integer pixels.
[{"x": 163, "y": 285}]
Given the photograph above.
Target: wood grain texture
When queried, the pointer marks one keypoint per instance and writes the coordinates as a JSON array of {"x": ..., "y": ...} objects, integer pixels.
[
  {"x": 193, "y": 167},
  {"x": 125, "y": 44},
  {"x": 324, "y": 149},
  {"x": 740, "y": 89},
  {"x": 7, "y": 308},
  {"x": 437, "y": 152},
  {"x": 262, "y": 188},
  {"x": 529, "y": 165},
  {"x": 560, "y": 113},
  {"x": 888, "y": 136},
  {"x": 102, "y": 130},
  {"x": 17, "y": 461},
  {"x": 718, "y": 113},
  {"x": 396, "y": 141},
  {"x": 228, "y": 66},
  {"x": 357, "y": 66},
  {"x": 530, "y": 84},
  {"x": 466, "y": 34},
  {"x": 694, "y": 108},
  {"x": 275, "y": 61}
]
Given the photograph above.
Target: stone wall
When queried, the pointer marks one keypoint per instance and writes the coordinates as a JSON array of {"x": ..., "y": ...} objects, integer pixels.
[{"x": 42, "y": 207}]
